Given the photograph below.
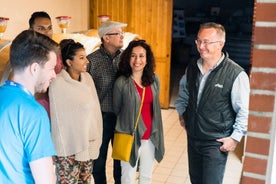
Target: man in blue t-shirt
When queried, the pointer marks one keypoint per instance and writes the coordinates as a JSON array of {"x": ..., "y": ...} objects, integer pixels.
[{"x": 26, "y": 147}]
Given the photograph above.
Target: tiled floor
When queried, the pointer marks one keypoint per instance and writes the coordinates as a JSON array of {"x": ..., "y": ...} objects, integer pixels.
[{"x": 174, "y": 167}]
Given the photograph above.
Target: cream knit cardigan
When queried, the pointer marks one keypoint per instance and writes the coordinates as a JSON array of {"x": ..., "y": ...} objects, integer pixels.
[{"x": 76, "y": 119}]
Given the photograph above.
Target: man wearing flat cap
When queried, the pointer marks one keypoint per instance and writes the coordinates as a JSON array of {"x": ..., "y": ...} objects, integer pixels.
[{"x": 103, "y": 69}]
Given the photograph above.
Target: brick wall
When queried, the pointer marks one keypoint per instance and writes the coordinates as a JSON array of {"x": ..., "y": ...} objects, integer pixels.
[{"x": 258, "y": 150}]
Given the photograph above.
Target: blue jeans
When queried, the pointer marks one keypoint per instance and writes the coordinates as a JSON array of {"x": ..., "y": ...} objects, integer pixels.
[
  {"x": 99, "y": 169},
  {"x": 206, "y": 162}
]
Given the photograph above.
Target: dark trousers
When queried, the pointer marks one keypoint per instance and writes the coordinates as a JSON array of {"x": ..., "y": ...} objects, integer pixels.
[
  {"x": 99, "y": 169},
  {"x": 206, "y": 162}
]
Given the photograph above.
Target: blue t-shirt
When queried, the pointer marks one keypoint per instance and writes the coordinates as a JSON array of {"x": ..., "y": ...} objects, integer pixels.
[{"x": 24, "y": 134}]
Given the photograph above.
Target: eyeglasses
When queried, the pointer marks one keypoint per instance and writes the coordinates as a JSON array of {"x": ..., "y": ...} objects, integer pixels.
[
  {"x": 119, "y": 33},
  {"x": 205, "y": 42}
]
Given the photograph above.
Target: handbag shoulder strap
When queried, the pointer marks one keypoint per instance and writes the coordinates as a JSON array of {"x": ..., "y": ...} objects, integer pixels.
[{"x": 139, "y": 113}]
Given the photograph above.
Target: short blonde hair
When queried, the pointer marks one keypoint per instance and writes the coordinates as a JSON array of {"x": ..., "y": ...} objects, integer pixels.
[{"x": 218, "y": 27}]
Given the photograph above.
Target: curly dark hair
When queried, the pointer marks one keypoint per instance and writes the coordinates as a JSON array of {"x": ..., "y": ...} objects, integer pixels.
[{"x": 124, "y": 66}]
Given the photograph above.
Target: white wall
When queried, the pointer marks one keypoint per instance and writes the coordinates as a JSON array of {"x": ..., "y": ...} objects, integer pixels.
[{"x": 19, "y": 12}]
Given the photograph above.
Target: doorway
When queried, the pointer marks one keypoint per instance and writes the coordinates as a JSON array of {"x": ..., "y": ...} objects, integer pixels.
[{"x": 236, "y": 16}]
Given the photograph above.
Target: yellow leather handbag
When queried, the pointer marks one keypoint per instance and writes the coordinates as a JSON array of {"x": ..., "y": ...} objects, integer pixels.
[{"x": 122, "y": 143}]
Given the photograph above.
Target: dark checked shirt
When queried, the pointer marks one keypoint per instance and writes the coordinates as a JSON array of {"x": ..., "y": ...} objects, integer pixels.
[{"x": 103, "y": 69}]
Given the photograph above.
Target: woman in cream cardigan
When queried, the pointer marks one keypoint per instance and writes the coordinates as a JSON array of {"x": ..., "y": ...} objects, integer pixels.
[{"x": 76, "y": 121}]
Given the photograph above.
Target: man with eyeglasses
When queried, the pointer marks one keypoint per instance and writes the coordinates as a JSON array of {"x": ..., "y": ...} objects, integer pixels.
[
  {"x": 103, "y": 65},
  {"x": 212, "y": 106}
]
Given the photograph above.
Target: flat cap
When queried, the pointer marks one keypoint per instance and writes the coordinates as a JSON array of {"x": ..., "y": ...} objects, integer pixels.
[{"x": 109, "y": 26}]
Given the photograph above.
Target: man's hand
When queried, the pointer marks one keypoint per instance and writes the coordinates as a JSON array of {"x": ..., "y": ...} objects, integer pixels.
[
  {"x": 228, "y": 144},
  {"x": 182, "y": 122}
]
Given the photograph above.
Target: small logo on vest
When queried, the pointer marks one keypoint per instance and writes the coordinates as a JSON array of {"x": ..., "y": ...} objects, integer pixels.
[{"x": 219, "y": 85}]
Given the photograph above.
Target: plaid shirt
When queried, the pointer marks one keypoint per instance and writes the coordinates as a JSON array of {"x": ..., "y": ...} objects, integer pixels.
[{"x": 103, "y": 69}]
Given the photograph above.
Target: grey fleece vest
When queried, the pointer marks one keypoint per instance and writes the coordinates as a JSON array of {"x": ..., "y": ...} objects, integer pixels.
[{"x": 214, "y": 116}]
